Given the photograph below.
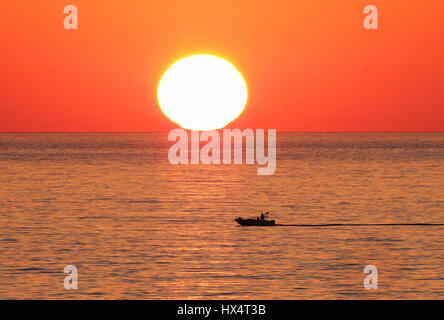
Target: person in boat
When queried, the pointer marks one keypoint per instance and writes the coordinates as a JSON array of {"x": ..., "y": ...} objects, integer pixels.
[{"x": 263, "y": 216}]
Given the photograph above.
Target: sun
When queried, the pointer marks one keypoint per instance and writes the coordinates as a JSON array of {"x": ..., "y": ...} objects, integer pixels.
[{"x": 202, "y": 92}]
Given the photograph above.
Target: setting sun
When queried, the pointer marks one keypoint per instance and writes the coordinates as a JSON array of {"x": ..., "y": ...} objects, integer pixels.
[{"x": 202, "y": 92}]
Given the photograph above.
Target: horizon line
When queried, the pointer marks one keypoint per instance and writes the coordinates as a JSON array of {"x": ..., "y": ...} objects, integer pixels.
[{"x": 285, "y": 131}]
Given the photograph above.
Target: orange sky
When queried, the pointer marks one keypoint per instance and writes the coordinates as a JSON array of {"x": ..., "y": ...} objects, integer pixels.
[{"x": 309, "y": 65}]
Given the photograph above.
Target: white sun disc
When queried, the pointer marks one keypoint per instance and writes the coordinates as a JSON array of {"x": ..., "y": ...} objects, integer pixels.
[{"x": 202, "y": 92}]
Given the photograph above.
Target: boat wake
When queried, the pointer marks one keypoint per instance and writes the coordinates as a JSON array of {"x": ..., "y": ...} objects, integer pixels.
[{"x": 358, "y": 224}]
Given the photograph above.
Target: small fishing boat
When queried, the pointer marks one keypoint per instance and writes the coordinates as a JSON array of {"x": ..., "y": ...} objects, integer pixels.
[{"x": 254, "y": 222}]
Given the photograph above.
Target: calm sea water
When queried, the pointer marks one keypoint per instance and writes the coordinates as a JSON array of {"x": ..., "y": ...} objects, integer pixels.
[{"x": 137, "y": 227}]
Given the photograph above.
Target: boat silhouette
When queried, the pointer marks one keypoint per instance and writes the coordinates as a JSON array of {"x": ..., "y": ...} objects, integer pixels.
[{"x": 254, "y": 222}]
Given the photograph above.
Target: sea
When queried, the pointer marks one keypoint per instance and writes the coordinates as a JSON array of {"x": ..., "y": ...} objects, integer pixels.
[{"x": 135, "y": 226}]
